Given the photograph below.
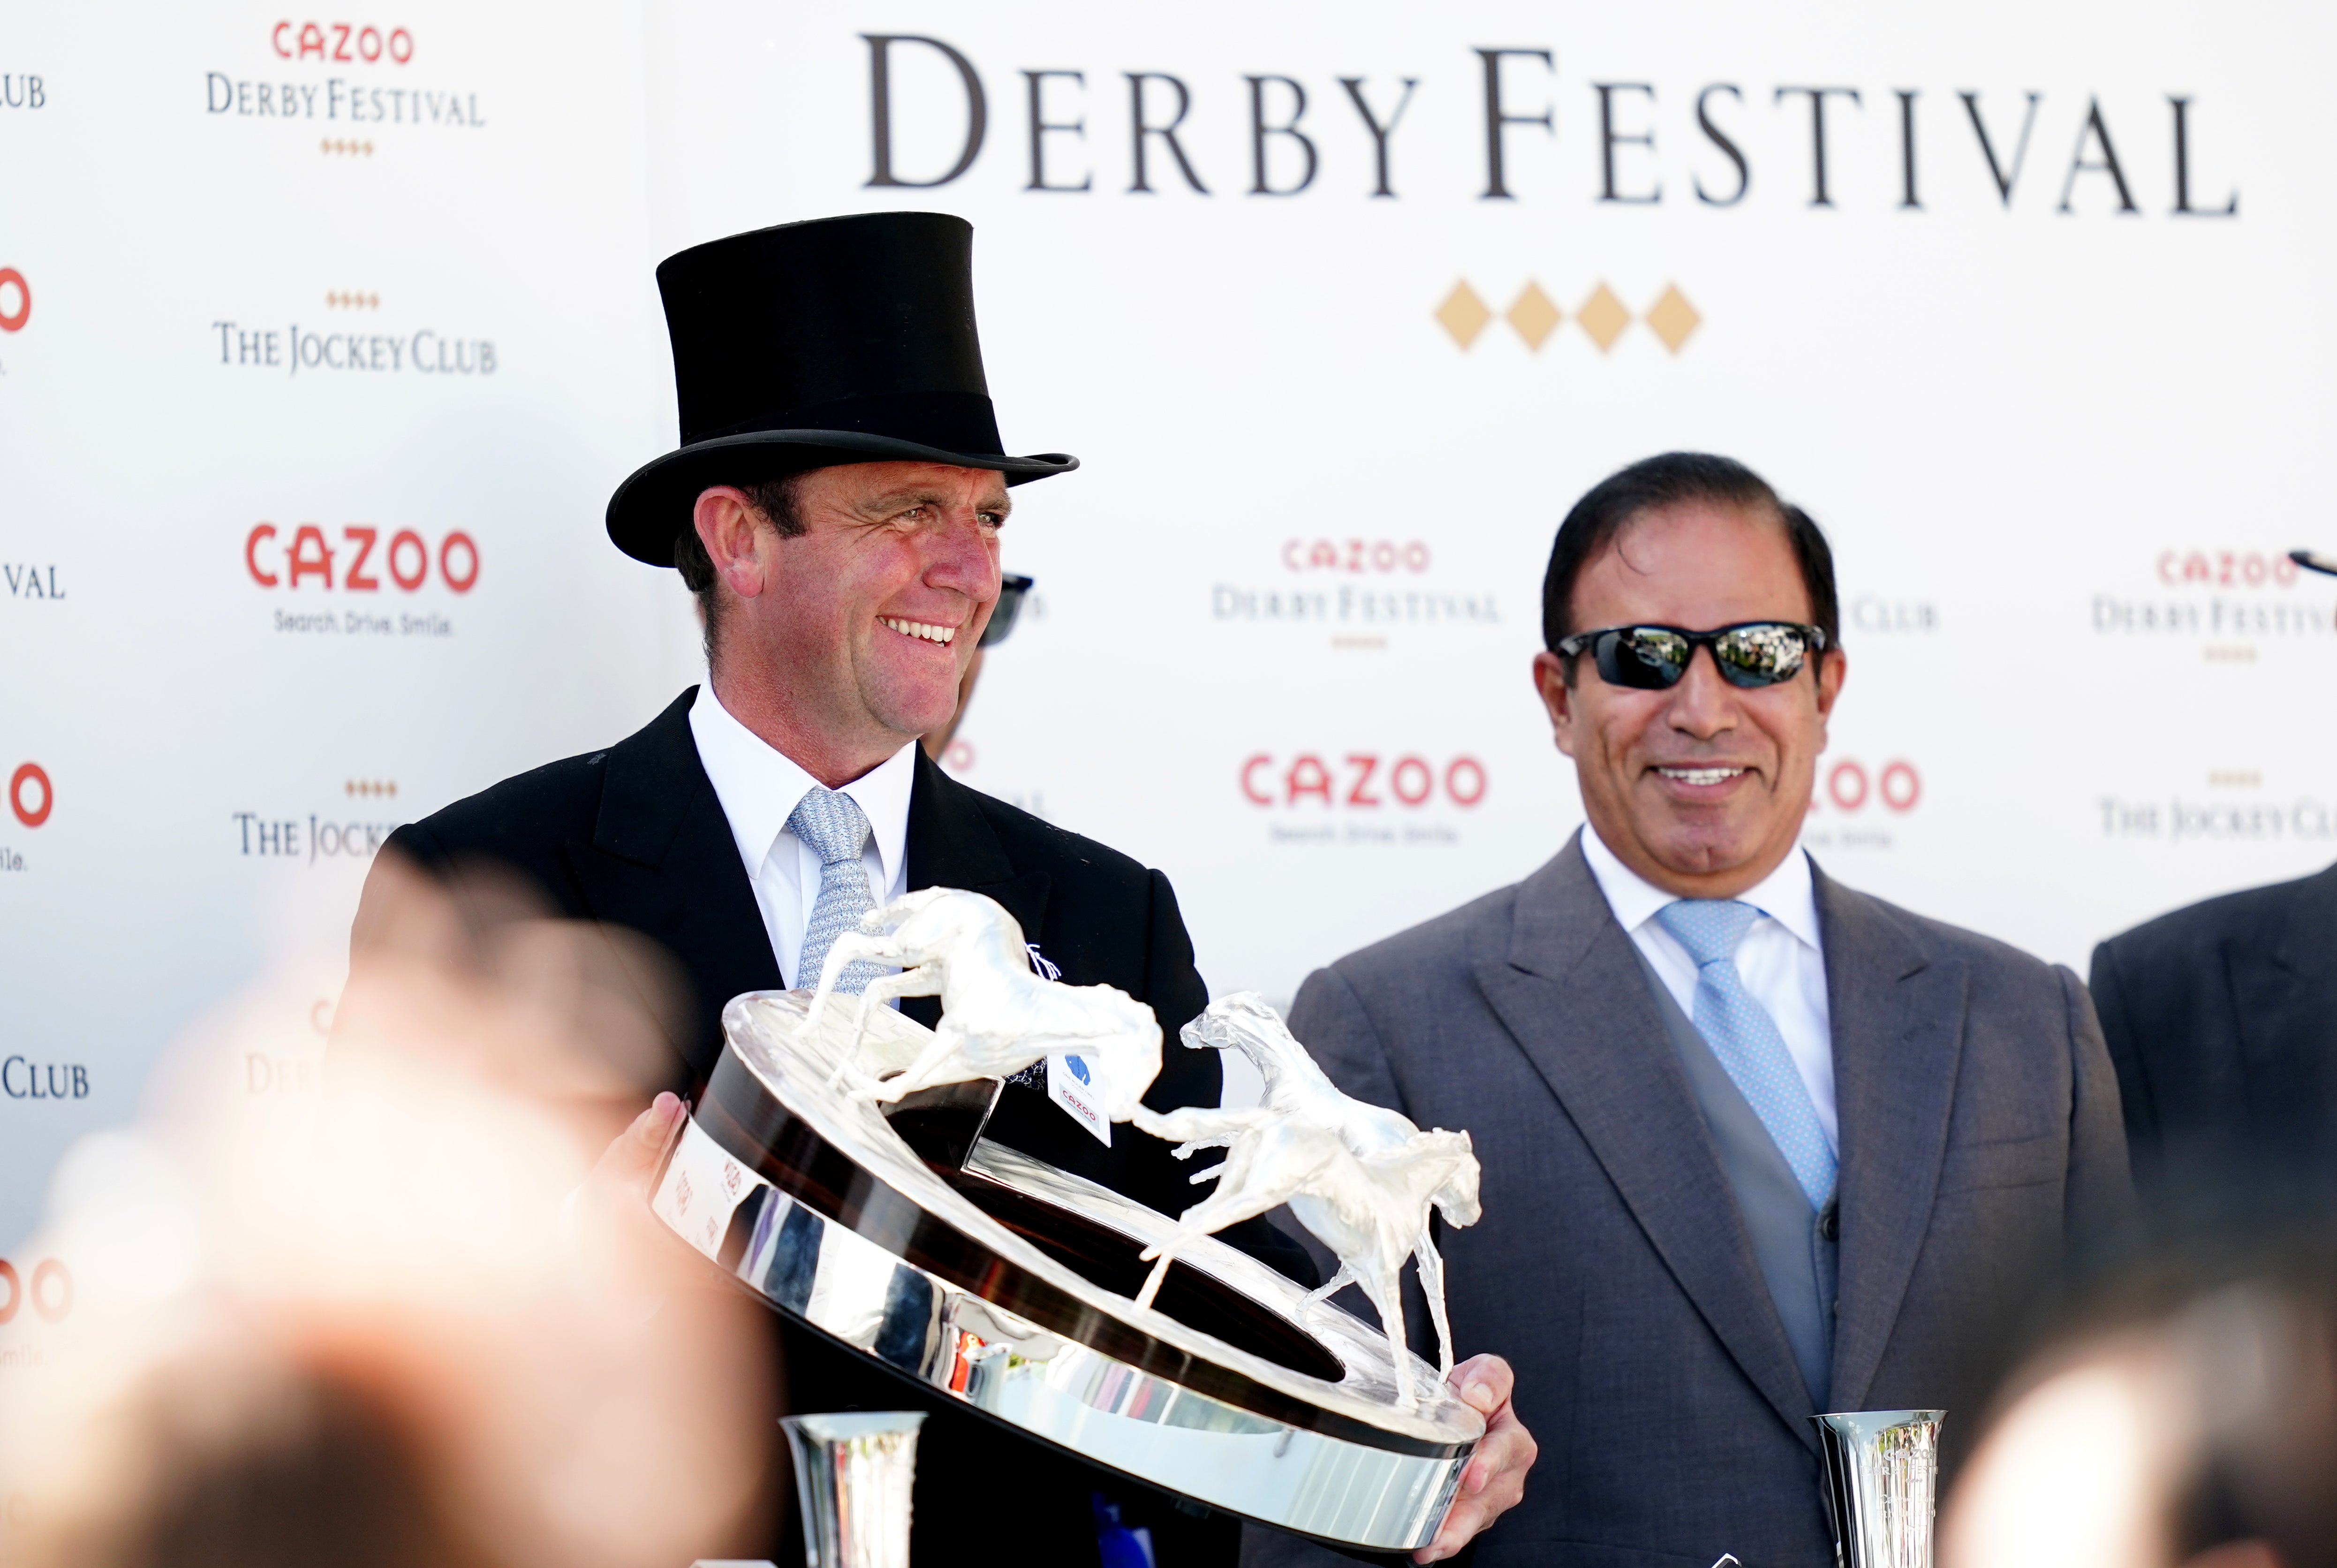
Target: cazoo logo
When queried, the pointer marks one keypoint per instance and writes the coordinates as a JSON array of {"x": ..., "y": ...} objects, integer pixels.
[
  {"x": 1354, "y": 556},
  {"x": 30, "y": 795},
  {"x": 2226, "y": 569},
  {"x": 406, "y": 560},
  {"x": 350, "y": 42},
  {"x": 49, "y": 1291},
  {"x": 1361, "y": 780},
  {"x": 1850, "y": 786}
]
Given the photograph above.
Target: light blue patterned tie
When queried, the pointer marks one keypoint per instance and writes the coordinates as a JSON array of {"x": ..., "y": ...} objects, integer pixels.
[
  {"x": 1745, "y": 1038},
  {"x": 832, "y": 824}
]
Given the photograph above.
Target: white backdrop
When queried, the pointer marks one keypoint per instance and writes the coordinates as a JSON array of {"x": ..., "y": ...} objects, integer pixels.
[{"x": 2060, "y": 433}]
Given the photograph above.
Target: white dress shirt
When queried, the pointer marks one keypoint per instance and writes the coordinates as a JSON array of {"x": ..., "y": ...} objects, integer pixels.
[
  {"x": 1781, "y": 961},
  {"x": 759, "y": 787}
]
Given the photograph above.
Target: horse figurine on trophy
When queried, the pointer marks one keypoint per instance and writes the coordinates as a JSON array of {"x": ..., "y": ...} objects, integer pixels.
[
  {"x": 1297, "y": 1087},
  {"x": 1371, "y": 1211},
  {"x": 998, "y": 1016}
]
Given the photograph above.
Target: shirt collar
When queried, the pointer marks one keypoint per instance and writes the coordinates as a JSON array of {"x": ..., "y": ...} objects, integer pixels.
[
  {"x": 759, "y": 787},
  {"x": 1787, "y": 895}
]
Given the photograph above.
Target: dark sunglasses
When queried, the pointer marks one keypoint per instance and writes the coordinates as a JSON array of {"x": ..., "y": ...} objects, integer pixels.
[
  {"x": 1011, "y": 587},
  {"x": 1654, "y": 658}
]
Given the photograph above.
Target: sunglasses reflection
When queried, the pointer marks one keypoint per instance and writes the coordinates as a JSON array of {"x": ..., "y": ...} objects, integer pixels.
[{"x": 1748, "y": 653}]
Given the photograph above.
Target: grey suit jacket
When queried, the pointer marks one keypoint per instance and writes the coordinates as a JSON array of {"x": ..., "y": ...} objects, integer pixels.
[{"x": 1979, "y": 1130}]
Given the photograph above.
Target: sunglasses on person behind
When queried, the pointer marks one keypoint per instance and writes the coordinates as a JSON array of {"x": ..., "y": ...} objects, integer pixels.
[
  {"x": 1654, "y": 658},
  {"x": 1012, "y": 588}
]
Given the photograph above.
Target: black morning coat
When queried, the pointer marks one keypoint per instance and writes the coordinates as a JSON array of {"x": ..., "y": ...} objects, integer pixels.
[
  {"x": 2222, "y": 1022},
  {"x": 634, "y": 835}
]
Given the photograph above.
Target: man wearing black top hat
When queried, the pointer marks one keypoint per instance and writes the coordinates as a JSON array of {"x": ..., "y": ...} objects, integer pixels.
[{"x": 835, "y": 504}]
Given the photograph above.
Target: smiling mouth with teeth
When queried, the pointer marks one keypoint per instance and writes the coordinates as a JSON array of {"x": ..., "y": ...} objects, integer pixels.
[
  {"x": 942, "y": 634},
  {"x": 1700, "y": 775}
]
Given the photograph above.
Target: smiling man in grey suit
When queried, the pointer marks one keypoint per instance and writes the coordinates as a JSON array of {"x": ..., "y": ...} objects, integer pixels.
[{"x": 1756, "y": 1146}]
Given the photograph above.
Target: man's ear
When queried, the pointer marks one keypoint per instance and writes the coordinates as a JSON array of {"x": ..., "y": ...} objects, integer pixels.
[
  {"x": 731, "y": 529},
  {"x": 1556, "y": 698},
  {"x": 1833, "y": 667}
]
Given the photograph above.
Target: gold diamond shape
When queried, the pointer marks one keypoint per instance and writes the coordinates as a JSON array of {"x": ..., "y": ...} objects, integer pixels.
[
  {"x": 1603, "y": 317},
  {"x": 1462, "y": 314},
  {"x": 1533, "y": 316},
  {"x": 1673, "y": 318}
]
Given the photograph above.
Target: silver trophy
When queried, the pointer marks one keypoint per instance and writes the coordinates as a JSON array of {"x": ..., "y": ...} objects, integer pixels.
[
  {"x": 1881, "y": 1482},
  {"x": 853, "y": 1479},
  {"x": 835, "y": 1166}
]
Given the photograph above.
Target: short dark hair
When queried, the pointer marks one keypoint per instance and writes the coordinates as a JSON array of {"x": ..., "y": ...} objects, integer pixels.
[
  {"x": 779, "y": 502},
  {"x": 1612, "y": 503}
]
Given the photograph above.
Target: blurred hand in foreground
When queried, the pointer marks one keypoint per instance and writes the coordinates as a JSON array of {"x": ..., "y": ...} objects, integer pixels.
[
  {"x": 2188, "y": 1420},
  {"x": 347, "y": 1327}
]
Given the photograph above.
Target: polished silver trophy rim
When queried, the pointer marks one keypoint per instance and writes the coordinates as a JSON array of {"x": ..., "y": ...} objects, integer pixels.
[{"x": 809, "y": 1199}]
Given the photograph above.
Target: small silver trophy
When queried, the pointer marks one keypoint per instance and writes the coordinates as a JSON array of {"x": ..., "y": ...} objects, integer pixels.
[
  {"x": 1882, "y": 1480},
  {"x": 853, "y": 1477}
]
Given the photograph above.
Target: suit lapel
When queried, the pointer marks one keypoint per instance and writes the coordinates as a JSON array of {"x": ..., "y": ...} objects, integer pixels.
[
  {"x": 952, "y": 844},
  {"x": 1565, "y": 982},
  {"x": 1898, "y": 1022},
  {"x": 662, "y": 861}
]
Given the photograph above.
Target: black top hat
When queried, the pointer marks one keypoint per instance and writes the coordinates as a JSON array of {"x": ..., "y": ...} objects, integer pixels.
[{"x": 840, "y": 341}]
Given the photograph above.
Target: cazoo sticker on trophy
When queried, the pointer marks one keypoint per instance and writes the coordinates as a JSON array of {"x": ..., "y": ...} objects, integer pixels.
[{"x": 835, "y": 1165}]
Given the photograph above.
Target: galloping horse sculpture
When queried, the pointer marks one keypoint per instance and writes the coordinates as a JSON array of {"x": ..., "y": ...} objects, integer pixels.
[
  {"x": 998, "y": 1017},
  {"x": 1371, "y": 1211},
  {"x": 1297, "y": 1087}
]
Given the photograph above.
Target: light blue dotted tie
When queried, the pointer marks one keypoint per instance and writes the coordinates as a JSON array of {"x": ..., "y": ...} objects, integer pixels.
[
  {"x": 832, "y": 824},
  {"x": 1745, "y": 1038}
]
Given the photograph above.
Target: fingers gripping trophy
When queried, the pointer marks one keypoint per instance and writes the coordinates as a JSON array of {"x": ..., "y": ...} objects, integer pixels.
[{"x": 855, "y": 1190}]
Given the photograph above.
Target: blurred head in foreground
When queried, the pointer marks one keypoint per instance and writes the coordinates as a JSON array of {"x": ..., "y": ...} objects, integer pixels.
[
  {"x": 369, "y": 1328},
  {"x": 2191, "y": 1419}
]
